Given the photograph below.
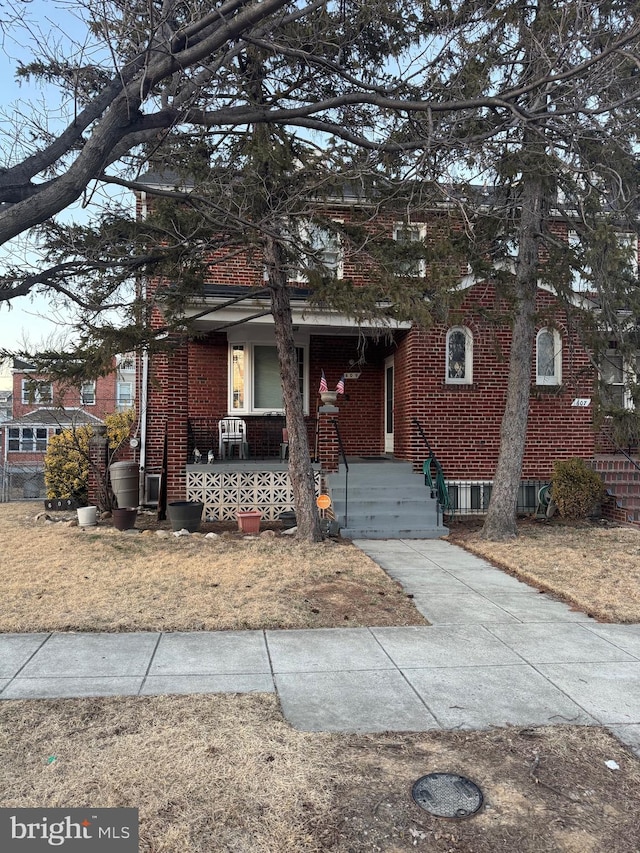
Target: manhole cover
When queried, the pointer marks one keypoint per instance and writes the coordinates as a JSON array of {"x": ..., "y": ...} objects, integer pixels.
[{"x": 447, "y": 795}]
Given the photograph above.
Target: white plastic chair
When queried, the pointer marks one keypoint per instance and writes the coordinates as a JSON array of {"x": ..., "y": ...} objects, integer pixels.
[{"x": 232, "y": 432}]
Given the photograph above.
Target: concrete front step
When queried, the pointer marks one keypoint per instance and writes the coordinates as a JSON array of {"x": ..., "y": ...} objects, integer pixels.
[
  {"x": 385, "y": 501},
  {"x": 395, "y": 533}
]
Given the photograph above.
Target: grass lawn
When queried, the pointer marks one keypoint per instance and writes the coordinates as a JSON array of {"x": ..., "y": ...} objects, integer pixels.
[
  {"x": 226, "y": 773},
  {"x": 59, "y": 578},
  {"x": 592, "y": 565}
]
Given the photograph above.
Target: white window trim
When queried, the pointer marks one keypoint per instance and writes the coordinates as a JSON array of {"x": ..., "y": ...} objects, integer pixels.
[
  {"x": 468, "y": 357},
  {"x": 556, "y": 379},
  {"x": 121, "y": 405},
  {"x": 85, "y": 385},
  {"x": 31, "y": 391},
  {"x": 21, "y": 440},
  {"x": 628, "y": 375},
  {"x": 302, "y": 233},
  {"x": 249, "y": 408},
  {"x": 422, "y": 233}
]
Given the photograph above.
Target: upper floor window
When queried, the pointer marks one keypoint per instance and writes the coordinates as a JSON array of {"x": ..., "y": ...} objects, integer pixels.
[
  {"x": 617, "y": 375},
  {"x": 126, "y": 362},
  {"x": 28, "y": 439},
  {"x": 627, "y": 263},
  {"x": 124, "y": 396},
  {"x": 321, "y": 251},
  {"x": 34, "y": 391},
  {"x": 409, "y": 264},
  {"x": 88, "y": 394},
  {"x": 255, "y": 384},
  {"x": 548, "y": 357},
  {"x": 459, "y": 367}
]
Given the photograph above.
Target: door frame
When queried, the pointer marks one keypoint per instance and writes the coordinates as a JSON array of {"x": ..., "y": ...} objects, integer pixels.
[{"x": 388, "y": 406}]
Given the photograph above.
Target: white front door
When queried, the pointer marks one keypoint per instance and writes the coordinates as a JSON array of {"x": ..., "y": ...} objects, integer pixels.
[{"x": 388, "y": 405}]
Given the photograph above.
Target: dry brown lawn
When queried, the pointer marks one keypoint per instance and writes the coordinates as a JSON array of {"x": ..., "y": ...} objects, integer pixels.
[
  {"x": 59, "y": 578},
  {"x": 212, "y": 774},
  {"x": 594, "y": 566}
]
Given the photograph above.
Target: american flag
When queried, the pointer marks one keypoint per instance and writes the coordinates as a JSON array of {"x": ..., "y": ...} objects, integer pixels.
[
  {"x": 340, "y": 385},
  {"x": 323, "y": 384}
]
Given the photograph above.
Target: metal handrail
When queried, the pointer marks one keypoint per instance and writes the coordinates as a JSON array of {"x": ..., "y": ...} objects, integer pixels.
[
  {"x": 437, "y": 485},
  {"x": 346, "y": 469},
  {"x": 619, "y": 449}
]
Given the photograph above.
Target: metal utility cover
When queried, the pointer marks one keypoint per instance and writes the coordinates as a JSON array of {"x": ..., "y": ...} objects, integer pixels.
[{"x": 447, "y": 795}]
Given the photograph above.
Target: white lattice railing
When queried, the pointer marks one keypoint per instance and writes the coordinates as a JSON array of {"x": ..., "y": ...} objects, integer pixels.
[{"x": 224, "y": 493}]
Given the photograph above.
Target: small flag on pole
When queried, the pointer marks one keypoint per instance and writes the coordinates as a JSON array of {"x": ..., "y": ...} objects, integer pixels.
[
  {"x": 340, "y": 385},
  {"x": 323, "y": 384}
]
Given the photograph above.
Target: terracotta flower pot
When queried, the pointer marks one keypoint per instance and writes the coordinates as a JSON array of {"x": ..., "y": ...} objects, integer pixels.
[{"x": 249, "y": 522}]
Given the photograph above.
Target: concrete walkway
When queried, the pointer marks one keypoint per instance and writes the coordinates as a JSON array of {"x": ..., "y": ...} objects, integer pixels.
[{"x": 497, "y": 653}]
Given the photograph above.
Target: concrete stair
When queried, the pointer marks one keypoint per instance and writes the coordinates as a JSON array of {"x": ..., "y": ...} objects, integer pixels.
[{"x": 385, "y": 500}]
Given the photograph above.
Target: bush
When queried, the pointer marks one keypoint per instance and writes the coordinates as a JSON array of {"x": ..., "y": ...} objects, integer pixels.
[
  {"x": 67, "y": 461},
  {"x": 575, "y": 488},
  {"x": 66, "y": 464}
]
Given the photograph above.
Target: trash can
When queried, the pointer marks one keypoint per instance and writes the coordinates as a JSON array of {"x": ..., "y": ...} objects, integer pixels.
[{"x": 125, "y": 479}]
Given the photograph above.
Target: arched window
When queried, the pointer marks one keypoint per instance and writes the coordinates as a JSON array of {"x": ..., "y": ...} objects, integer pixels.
[
  {"x": 459, "y": 368},
  {"x": 548, "y": 357}
]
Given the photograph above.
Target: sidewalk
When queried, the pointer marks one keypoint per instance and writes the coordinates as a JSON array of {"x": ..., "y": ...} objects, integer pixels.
[{"x": 497, "y": 653}]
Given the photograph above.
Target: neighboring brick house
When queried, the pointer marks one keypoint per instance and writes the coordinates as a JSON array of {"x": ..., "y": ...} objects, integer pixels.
[
  {"x": 450, "y": 379},
  {"x": 42, "y": 408}
]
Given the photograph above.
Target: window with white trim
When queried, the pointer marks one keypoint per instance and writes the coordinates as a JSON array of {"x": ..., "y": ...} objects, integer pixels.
[
  {"x": 581, "y": 280},
  {"x": 28, "y": 439},
  {"x": 459, "y": 356},
  {"x": 548, "y": 357},
  {"x": 617, "y": 375},
  {"x": 124, "y": 395},
  {"x": 88, "y": 393},
  {"x": 321, "y": 251},
  {"x": 34, "y": 391},
  {"x": 255, "y": 385},
  {"x": 411, "y": 265}
]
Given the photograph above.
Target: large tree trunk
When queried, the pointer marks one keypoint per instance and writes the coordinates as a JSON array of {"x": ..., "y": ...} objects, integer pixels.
[
  {"x": 500, "y": 522},
  {"x": 300, "y": 469}
]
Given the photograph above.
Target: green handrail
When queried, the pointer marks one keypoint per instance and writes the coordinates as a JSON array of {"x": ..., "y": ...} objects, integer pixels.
[{"x": 438, "y": 484}]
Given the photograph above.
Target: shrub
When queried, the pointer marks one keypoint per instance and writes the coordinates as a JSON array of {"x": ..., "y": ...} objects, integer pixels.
[
  {"x": 67, "y": 461},
  {"x": 66, "y": 464},
  {"x": 575, "y": 488}
]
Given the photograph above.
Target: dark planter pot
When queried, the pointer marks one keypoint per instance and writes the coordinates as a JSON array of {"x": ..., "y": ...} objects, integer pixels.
[
  {"x": 288, "y": 519},
  {"x": 185, "y": 515},
  {"x": 124, "y": 518}
]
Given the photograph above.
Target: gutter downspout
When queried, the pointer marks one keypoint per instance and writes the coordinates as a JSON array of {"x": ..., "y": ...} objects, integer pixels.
[{"x": 143, "y": 423}]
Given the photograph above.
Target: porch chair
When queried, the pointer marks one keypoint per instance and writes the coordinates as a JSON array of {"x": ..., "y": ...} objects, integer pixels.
[{"x": 232, "y": 432}]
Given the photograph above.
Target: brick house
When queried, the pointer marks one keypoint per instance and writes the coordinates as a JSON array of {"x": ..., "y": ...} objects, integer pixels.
[
  {"x": 42, "y": 408},
  {"x": 446, "y": 384}
]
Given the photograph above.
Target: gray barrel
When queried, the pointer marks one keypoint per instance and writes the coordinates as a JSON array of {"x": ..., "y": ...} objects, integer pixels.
[{"x": 125, "y": 483}]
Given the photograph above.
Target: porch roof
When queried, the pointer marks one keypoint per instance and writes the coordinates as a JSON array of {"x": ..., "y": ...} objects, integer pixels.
[{"x": 224, "y": 306}]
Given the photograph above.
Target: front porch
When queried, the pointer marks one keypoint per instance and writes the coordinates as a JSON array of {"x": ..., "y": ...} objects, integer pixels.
[{"x": 227, "y": 488}]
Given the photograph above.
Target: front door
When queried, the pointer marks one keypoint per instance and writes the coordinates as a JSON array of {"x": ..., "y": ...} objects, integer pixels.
[{"x": 388, "y": 405}]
